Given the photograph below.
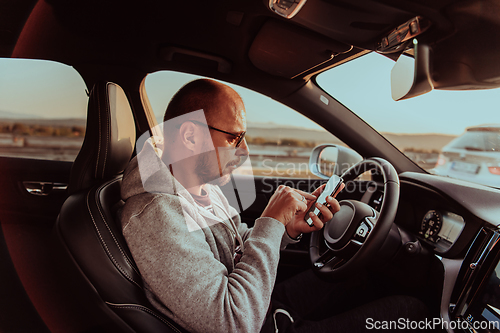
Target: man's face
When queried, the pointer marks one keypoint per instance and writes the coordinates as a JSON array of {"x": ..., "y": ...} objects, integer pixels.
[{"x": 216, "y": 166}]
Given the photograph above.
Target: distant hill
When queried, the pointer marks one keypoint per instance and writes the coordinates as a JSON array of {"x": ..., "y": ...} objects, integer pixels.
[
  {"x": 269, "y": 131},
  {"x": 276, "y": 132},
  {"x": 16, "y": 115},
  {"x": 273, "y": 131},
  {"x": 419, "y": 141},
  {"x": 68, "y": 122}
]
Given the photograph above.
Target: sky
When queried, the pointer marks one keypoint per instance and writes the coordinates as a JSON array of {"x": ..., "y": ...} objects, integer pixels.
[
  {"x": 47, "y": 89},
  {"x": 363, "y": 85},
  {"x": 41, "y": 88}
]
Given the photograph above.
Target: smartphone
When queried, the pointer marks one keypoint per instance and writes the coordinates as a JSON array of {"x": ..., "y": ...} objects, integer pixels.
[{"x": 331, "y": 187}]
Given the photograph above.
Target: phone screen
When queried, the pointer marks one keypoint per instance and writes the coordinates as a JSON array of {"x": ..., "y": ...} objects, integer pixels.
[{"x": 331, "y": 187}]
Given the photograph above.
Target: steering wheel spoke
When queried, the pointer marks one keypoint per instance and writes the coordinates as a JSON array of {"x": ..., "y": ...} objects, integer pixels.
[
  {"x": 364, "y": 229},
  {"x": 328, "y": 260}
]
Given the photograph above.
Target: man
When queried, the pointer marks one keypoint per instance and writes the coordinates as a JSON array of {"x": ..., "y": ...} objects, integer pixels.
[{"x": 201, "y": 266}]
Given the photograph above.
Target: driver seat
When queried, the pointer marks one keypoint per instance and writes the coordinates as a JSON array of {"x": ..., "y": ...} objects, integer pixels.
[{"x": 93, "y": 256}]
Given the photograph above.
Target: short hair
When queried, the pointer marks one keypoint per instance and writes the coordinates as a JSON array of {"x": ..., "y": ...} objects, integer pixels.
[{"x": 196, "y": 95}]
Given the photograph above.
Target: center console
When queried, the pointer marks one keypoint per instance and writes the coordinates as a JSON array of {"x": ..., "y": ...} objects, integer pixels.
[{"x": 475, "y": 302}]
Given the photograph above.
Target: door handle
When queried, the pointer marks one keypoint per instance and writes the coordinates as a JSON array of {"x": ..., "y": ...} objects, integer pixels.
[{"x": 44, "y": 188}]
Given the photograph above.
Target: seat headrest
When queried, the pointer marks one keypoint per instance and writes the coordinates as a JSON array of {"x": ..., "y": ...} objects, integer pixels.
[{"x": 109, "y": 138}]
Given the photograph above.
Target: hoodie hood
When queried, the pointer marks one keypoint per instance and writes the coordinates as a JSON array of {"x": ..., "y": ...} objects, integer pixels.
[{"x": 146, "y": 173}]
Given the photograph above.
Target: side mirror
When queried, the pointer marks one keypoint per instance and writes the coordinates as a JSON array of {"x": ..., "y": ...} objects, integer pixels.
[
  {"x": 329, "y": 159},
  {"x": 410, "y": 77}
]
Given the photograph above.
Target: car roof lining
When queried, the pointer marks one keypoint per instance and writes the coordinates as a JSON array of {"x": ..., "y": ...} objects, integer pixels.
[
  {"x": 131, "y": 34},
  {"x": 127, "y": 38}
]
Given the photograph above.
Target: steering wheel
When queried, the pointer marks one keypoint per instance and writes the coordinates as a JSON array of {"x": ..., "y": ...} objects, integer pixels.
[{"x": 357, "y": 231}]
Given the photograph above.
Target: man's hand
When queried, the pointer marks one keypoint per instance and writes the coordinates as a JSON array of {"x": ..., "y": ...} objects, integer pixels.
[
  {"x": 286, "y": 203},
  {"x": 298, "y": 225}
]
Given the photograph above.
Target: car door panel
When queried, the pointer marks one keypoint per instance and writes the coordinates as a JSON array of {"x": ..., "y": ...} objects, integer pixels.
[{"x": 28, "y": 291}]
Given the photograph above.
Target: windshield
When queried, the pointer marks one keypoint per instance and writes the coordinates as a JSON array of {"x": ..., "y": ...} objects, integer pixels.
[{"x": 426, "y": 127}]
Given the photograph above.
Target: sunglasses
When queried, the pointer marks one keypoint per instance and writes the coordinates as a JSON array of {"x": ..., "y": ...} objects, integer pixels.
[{"x": 239, "y": 137}]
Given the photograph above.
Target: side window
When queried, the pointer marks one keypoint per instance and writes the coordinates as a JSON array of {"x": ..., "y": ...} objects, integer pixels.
[
  {"x": 280, "y": 139},
  {"x": 43, "y": 106}
]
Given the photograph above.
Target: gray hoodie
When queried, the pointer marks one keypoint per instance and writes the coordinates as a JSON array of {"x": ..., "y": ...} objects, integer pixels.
[{"x": 185, "y": 253}]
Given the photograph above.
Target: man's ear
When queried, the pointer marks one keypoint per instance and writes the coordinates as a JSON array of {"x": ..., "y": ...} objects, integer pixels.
[{"x": 187, "y": 134}]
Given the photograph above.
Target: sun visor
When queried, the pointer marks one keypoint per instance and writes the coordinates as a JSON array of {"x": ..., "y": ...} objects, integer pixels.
[{"x": 287, "y": 50}]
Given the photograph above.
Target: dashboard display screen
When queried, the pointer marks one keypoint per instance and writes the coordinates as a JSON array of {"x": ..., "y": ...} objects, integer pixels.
[{"x": 452, "y": 227}]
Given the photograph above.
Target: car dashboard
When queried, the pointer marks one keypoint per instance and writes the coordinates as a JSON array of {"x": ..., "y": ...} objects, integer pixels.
[{"x": 458, "y": 222}]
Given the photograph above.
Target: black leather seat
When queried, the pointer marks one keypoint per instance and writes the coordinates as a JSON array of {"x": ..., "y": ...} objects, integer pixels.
[{"x": 95, "y": 255}]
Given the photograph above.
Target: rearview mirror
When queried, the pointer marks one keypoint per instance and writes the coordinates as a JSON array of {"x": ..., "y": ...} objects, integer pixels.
[{"x": 410, "y": 77}]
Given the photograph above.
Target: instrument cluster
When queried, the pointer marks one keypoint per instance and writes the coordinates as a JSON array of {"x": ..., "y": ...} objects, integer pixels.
[{"x": 441, "y": 228}]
